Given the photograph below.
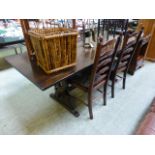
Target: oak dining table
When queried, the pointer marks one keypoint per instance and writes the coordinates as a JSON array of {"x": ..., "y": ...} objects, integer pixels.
[{"x": 30, "y": 70}]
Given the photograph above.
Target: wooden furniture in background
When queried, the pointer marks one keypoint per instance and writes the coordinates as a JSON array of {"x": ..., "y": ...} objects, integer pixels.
[
  {"x": 25, "y": 28},
  {"x": 100, "y": 72},
  {"x": 147, "y": 24},
  {"x": 149, "y": 28},
  {"x": 139, "y": 55},
  {"x": 150, "y": 55},
  {"x": 112, "y": 26}
]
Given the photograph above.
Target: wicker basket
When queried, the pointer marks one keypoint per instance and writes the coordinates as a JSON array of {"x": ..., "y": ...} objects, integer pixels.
[{"x": 55, "y": 48}]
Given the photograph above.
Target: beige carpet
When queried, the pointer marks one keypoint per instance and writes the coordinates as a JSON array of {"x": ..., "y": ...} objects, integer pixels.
[{"x": 24, "y": 109}]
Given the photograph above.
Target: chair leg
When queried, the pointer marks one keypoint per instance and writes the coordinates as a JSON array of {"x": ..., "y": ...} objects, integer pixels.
[
  {"x": 90, "y": 105},
  {"x": 113, "y": 88},
  {"x": 105, "y": 95},
  {"x": 107, "y": 37},
  {"x": 103, "y": 30},
  {"x": 15, "y": 49},
  {"x": 20, "y": 49},
  {"x": 98, "y": 28},
  {"x": 124, "y": 80}
]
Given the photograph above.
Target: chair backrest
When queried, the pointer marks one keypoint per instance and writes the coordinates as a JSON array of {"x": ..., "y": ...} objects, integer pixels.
[
  {"x": 140, "y": 50},
  {"x": 104, "y": 59},
  {"x": 143, "y": 45},
  {"x": 126, "y": 53}
]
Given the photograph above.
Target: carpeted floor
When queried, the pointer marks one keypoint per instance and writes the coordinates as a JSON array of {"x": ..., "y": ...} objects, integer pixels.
[{"x": 27, "y": 110}]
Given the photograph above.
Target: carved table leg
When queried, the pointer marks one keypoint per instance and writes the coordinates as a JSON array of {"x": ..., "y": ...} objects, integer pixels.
[{"x": 64, "y": 98}]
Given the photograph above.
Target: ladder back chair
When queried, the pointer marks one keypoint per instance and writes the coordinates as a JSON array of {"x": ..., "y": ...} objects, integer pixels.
[
  {"x": 100, "y": 71},
  {"x": 124, "y": 57},
  {"x": 139, "y": 55}
]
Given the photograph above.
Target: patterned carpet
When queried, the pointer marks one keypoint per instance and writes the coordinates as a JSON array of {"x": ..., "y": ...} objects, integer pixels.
[{"x": 27, "y": 110}]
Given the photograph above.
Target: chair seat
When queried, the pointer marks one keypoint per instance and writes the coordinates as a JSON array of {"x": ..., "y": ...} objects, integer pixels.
[
  {"x": 140, "y": 57},
  {"x": 98, "y": 75},
  {"x": 112, "y": 75},
  {"x": 81, "y": 81}
]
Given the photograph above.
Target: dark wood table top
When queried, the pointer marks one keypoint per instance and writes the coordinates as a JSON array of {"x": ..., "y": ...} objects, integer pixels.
[{"x": 85, "y": 58}]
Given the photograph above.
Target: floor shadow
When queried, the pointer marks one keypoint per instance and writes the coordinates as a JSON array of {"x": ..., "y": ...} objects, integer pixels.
[
  {"x": 7, "y": 51},
  {"x": 4, "y": 65},
  {"x": 48, "y": 116}
]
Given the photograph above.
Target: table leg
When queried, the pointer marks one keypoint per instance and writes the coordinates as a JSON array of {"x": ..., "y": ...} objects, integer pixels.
[{"x": 64, "y": 98}]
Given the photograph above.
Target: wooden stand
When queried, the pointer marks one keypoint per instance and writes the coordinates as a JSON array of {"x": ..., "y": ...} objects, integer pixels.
[
  {"x": 146, "y": 47},
  {"x": 64, "y": 98},
  {"x": 150, "y": 55},
  {"x": 149, "y": 28},
  {"x": 139, "y": 55}
]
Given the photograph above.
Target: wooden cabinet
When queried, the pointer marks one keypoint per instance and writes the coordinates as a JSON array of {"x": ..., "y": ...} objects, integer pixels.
[
  {"x": 139, "y": 55},
  {"x": 149, "y": 28},
  {"x": 150, "y": 55}
]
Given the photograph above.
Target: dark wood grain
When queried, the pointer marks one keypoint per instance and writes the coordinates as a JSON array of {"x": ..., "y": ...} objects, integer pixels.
[
  {"x": 100, "y": 72},
  {"x": 85, "y": 58},
  {"x": 130, "y": 43}
]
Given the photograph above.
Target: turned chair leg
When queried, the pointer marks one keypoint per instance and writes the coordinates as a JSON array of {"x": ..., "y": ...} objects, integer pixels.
[
  {"x": 113, "y": 88},
  {"x": 124, "y": 80},
  {"x": 105, "y": 95},
  {"x": 90, "y": 105}
]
